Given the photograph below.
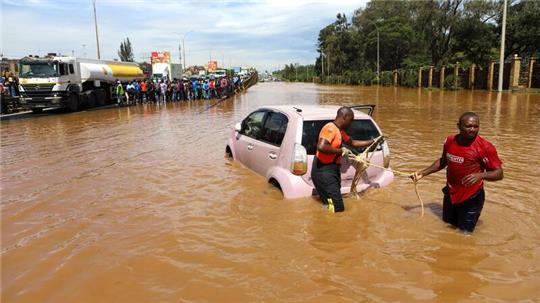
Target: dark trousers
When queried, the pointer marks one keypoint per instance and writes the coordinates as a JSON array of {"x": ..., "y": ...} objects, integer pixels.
[
  {"x": 463, "y": 215},
  {"x": 327, "y": 181}
]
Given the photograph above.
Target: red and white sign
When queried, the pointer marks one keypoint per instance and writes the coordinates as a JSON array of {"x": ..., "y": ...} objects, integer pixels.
[{"x": 160, "y": 57}]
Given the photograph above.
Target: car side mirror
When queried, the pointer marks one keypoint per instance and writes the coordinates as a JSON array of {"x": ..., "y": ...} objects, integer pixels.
[{"x": 238, "y": 127}]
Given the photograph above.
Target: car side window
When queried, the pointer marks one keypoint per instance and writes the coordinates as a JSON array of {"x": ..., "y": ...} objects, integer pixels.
[
  {"x": 71, "y": 69},
  {"x": 274, "y": 129},
  {"x": 252, "y": 126}
]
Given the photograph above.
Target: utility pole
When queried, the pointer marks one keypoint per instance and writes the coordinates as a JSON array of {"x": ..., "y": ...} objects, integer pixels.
[
  {"x": 328, "y": 65},
  {"x": 184, "y": 50},
  {"x": 378, "y": 66},
  {"x": 180, "y": 52},
  {"x": 322, "y": 65},
  {"x": 184, "y": 47},
  {"x": 95, "y": 24},
  {"x": 501, "y": 58}
]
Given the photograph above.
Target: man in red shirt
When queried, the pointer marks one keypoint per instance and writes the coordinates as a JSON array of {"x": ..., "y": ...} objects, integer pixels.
[
  {"x": 469, "y": 160},
  {"x": 325, "y": 171}
]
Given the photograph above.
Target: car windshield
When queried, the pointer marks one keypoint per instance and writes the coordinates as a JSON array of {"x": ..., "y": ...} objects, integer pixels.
[
  {"x": 38, "y": 70},
  {"x": 359, "y": 130}
]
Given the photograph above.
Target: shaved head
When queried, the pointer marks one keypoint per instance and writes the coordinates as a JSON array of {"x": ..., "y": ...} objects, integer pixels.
[
  {"x": 465, "y": 116},
  {"x": 344, "y": 111},
  {"x": 344, "y": 117}
]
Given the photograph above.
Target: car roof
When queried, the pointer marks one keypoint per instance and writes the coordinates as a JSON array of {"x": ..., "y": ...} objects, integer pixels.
[{"x": 314, "y": 112}]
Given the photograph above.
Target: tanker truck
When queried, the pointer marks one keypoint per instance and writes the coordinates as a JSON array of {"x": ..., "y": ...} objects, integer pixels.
[{"x": 70, "y": 82}]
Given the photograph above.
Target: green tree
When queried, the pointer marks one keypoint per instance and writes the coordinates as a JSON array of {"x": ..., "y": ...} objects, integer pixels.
[
  {"x": 420, "y": 33},
  {"x": 523, "y": 29},
  {"x": 437, "y": 21},
  {"x": 125, "y": 52}
]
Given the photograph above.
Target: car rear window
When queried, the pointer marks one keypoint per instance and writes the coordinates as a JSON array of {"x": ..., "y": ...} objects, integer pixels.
[{"x": 359, "y": 130}]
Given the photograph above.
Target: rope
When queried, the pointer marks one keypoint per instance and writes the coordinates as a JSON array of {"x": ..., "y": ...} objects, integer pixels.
[{"x": 363, "y": 162}]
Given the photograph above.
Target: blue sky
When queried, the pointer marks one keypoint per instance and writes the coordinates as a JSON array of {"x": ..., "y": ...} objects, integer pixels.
[{"x": 264, "y": 34}]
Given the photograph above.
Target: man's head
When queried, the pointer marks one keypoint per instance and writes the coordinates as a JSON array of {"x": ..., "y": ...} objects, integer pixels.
[
  {"x": 468, "y": 125},
  {"x": 344, "y": 117}
]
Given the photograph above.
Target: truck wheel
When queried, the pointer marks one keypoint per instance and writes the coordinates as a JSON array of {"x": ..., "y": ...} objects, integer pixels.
[
  {"x": 37, "y": 110},
  {"x": 73, "y": 102},
  {"x": 100, "y": 97},
  {"x": 91, "y": 100}
]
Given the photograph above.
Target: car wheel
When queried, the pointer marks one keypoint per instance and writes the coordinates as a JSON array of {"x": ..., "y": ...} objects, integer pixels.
[
  {"x": 275, "y": 183},
  {"x": 228, "y": 153}
]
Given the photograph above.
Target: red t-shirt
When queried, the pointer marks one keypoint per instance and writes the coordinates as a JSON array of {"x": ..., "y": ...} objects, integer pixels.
[
  {"x": 334, "y": 136},
  {"x": 461, "y": 160}
]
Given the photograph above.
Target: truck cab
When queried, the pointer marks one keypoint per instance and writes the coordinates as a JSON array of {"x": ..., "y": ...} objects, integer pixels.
[
  {"x": 44, "y": 82},
  {"x": 69, "y": 82}
]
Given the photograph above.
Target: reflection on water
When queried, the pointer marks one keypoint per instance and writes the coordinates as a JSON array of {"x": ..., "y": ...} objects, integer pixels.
[{"x": 139, "y": 204}]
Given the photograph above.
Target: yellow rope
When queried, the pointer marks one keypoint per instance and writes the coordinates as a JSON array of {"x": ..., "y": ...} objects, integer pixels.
[{"x": 363, "y": 163}]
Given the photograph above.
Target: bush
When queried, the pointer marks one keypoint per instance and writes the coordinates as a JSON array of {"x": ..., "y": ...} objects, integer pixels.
[
  {"x": 449, "y": 82},
  {"x": 410, "y": 78},
  {"x": 386, "y": 79},
  {"x": 367, "y": 77}
]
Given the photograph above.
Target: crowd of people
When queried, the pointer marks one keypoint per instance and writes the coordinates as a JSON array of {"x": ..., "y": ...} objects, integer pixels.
[
  {"x": 185, "y": 89},
  {"x": 9, "y": 84},
  {"x": 9, "y": 91}
]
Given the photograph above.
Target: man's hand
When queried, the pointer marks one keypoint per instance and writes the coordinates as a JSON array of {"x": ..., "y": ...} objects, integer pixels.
[
  {"x": 471, "y": 179},
  {"x": 416, "y": 176},
  {"x": 346, "y": 152}
]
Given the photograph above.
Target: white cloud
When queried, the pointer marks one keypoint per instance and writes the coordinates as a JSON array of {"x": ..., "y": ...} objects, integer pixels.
[{"x": 265, "y": 34}]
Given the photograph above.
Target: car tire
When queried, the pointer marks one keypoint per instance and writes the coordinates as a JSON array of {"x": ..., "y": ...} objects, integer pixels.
[
  {"x": 275, "y": 183},
  {"x": 228, "y": 153}
]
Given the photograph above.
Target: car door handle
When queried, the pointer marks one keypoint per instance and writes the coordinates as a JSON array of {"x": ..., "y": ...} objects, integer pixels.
[
  {"x": 250, "y": 147},
  {"x": 272, "y": 155}
]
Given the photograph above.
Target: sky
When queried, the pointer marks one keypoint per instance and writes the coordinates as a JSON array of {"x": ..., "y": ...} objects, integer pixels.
[{"x": 265, "y": 34}]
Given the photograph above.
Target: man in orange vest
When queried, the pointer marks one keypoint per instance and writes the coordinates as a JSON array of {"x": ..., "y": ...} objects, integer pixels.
[{"x": 325, "y": 171}]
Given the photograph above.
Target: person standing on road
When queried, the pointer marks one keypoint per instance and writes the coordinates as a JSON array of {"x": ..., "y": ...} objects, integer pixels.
[
  {"x": 119, "y": 93},
  {"x": 130, "y": 88},
  {"x": 137, "y": 86},
  {"x": 325, "y": 171},
  {"x": 212, "y": 85},
  {"x": 144, "y": 90},
  {"x": 206, "y": 89},
  {"x": 163, "y": 91},
  {"x": 194, "y": 86},
  {"x": 469, "y": 160}
]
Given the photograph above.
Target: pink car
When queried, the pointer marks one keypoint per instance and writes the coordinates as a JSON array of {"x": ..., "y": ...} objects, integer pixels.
[{"x": 279, "y": 143}]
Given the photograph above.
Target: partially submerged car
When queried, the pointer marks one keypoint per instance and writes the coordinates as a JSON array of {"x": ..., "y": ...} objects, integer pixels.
[{"x": 279, "y": 143}]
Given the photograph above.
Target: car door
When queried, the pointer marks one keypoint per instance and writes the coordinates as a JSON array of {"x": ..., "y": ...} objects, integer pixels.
[
  {"x": 247, "y": 138},
  {"x": 267, "y": 149}
]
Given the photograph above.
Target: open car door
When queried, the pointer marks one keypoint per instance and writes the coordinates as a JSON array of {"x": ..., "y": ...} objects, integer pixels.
[{"x": 366, "y": 108}]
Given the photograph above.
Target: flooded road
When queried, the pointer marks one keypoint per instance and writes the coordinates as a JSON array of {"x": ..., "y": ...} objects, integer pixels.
[{"x": 139, "y": 204}]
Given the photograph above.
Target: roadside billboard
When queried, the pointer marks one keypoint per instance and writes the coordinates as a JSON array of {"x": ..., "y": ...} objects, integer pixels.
[
  {"x": 212, "y": 65},
  {"x": 160, "y": 57}
]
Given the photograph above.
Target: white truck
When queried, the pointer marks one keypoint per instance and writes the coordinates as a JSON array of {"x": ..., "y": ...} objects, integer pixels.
[
  {"x": 169, "y": 70},
  {"x": 70, "y": 82}
]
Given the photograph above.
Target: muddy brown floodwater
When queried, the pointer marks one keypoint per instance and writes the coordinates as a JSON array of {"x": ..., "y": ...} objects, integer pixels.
[{"x": 139, "y": 204}]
